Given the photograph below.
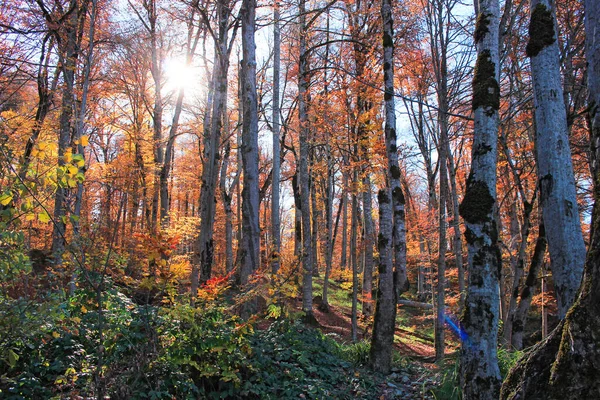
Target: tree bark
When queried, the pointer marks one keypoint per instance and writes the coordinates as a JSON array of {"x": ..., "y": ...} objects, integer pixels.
[
  {"x": 519, "y": 317},
  {"x": 69, "y": 66},
  {"x": 567, "y": 364},
  {"x": 250, "y": 247},
  {"x": 275, "y": 222},
  {"x": 303, "y": 172},
  {"x": 555, "y": 169},
  {"x": 202, "y": 257},
  {"x": 480, "y": 375},
  {"x": 392, "y": 238},
  {"x": 380, "y": 357}
]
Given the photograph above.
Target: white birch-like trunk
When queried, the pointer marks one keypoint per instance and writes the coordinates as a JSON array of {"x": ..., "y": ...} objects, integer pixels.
[
  {"x": 480, "y": 375},
  {"x": 385, "y": 312},
  {"x": 558, "y": 196}
]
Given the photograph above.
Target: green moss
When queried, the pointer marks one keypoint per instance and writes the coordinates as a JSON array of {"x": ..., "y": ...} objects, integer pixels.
[
  {"x": 482, "y": 26},
  {"x": 478, "y": 203},
  {"x": 486, "y": 91},
  {"x": 541, "y": 30}
]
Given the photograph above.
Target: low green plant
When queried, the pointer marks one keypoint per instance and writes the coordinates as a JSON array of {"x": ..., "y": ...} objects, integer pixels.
[
  {"x": 291, "y": 360},
  {"x": 355, "y": 353},
  {"x": 449, "y": 386},
  {"x": 507, "y": 359}
]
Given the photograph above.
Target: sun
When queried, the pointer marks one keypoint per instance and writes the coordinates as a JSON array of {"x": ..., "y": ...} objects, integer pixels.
[{"x": 179, "y": 75}]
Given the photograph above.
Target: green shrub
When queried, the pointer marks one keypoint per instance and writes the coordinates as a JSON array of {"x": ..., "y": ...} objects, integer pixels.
[{"x": 291, "y": 360}]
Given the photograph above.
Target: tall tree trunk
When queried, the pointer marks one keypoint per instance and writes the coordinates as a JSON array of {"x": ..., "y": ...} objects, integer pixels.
[
  {"x": 567, "y": 364},
  {"x": 69, "y": 66},
  {"x": 344, "y": 200},
  {"x": 519, "y": 264},
  {"x": 455, "y": 223},
  {"x": 442, "y": 244},
  {"x": 227, "y": 196},
  {"x": 203, "y": 252},
  {"x": 157, "y": 113},
  {"x": 79, "y": 127},
  {"x": 367, "y": 301},
  {"x": 519, "y": 317},
  {"x": 249, "y": 252},
  {"x": 315, "y": 225},
  {"x": 479, "y": 361},
  {"x": 385, "y": 312},
  {"x": 380, "y": 357},
  {"x": 275, "y": 222},
  {"x": 330, "y": 240},
  {"x": 555, "y": 170},
  {"x": 303, "y": 173},
  {"x": 354, "y": 260}
]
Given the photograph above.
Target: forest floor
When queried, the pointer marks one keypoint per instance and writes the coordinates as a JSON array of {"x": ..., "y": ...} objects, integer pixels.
[{"x": 415, "y": 375}]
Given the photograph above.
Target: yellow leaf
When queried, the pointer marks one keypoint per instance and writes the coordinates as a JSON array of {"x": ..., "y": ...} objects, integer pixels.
[
  {"x": 84, "y": 140},
  {"x": 68, "y": 157},
  {"x": 77, "y": 320},
  {"x": 44, "y": 217},
  {"x": 72, "y": 170},
  {"x": 83, "y": 309},
  {"x": 5, "y": 199},
  {"x": 55, "y": 335}
]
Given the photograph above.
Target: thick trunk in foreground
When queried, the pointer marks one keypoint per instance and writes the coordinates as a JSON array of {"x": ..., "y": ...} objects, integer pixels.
[
  {"x": 567, "y": 364},
  {"x": 556, "y": 180},
  {"x": 480, "y": 375}
]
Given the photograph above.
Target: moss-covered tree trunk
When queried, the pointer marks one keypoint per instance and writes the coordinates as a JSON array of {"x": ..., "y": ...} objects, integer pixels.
[
  {"x": 555, "y": 170},
  {"x": 385, "y": 308},
  {"x": 480, "y": 374},
  {"x": 392, "y": 236},
  {"x": 567, "y": 364}
]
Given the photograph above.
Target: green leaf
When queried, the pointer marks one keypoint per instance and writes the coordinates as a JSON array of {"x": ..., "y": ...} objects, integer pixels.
[{"x": 12, "y": 358}]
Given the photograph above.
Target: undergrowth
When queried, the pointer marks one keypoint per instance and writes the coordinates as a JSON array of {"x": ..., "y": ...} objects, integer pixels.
[{"x": 65, "y": 347}]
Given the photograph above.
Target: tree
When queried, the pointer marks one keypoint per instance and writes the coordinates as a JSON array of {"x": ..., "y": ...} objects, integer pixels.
[
  {"x": 249, "y": 251},
  {"x": 567, "y": 363},
  {"x": 393, "y": 239},
  {"x": 202, "y": 259},
  {"x": 275, "y": 220},
  {"x": 480, "y": 375},
  {"x": 555, "y": 169}
]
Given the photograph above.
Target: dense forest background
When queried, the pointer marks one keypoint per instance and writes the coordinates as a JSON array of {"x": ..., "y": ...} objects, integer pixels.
[{"x": 239, "y": 199}]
